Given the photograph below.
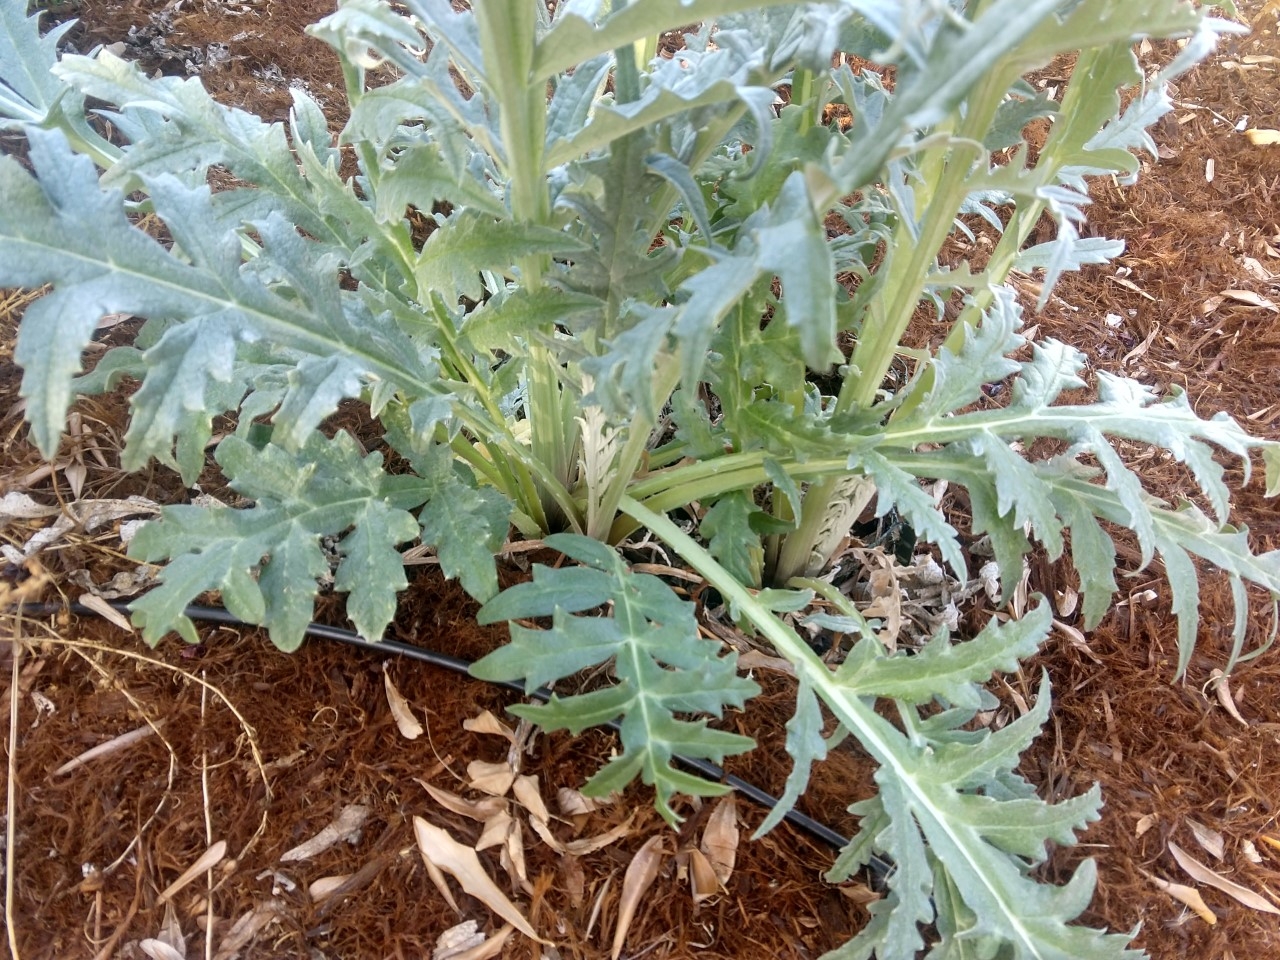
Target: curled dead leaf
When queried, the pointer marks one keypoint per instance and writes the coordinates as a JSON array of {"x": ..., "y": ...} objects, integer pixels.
[
  {"x": 486, "y": 722},
  {"x": 720, "y": 838},
  {"x": 1189, "y": 896},
  {"x": 1210, "y": 839},
  {"x": 496, "y": 830},
  {"x": 1221, "y": 684},
  {"x": 461, "y": 862},
  {"x": 702, "y": 877},
  {"x": 1199, "y": 872},
  {"x": 641, "y": 872},
  {"x": 482, "y": 809},
  {"x": 492, "y": 778},
  {"x": 580, "y": 848},
  {"x": 525, "y": 789},
  {"x": 401, "y": 712},
  {"x": 1251, "y": 299}
]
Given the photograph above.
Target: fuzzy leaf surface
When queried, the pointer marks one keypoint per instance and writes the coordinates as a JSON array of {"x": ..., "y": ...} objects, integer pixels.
[
  {"x": 267, "y": 558},
  {"x": 661, "y": 665}
]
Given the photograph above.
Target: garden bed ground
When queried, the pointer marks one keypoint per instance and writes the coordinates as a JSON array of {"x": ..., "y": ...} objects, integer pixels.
[{"x": 264, "y": 750}]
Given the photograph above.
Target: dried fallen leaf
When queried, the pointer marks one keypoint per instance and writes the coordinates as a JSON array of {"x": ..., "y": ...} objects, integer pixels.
[
  {"x": 496, "y": 830},
  {"x": 483, "y": 950},
  {"x": 1145, "y": 824},
  {"x": 1250, "y": 852},
  {"x": 169, "y": 943},
  {"x": 859, "y": 893},
  {"x": 543, "y": 830},
  {"x": 1189, "y": 896},
  {"x": 1208, "y": 838},
  {"x": 491, "y": 778},
  {"x": 580, "y": 848},
  {"x": 1222, "y": 687},
  {"x": 19, "y": 506},
  {"x": 249, "y": 926},
  {"x": 408, "y": 724},
  {"x": 574, "y": 881},
  {"x": 525, "y": 789},
  {"x": 482, "y": 809},
  {"x": 720, "y": 838},
  {"x": 323, "y": 888},
  {"x": 511, "y": 856},
  {"x": 106, "y": 611},
  {"x": 346, "y": 826},
  {"x": 1198, "y": 871},
  {"x": 702, "y": 877},
  {"x": 463, "y": 865},
  {"x": 641, "y": 872},
  {"x": 159, "y": 950},
  {"x": 1251, "y": 299},
  {"x": 1263, "y": 137},
  {"x": 573, "y": 803},
  {"x": 488, "y": 723},
  {"x": 755, "y": 660},
  {"x": 441, "y": 884},
  {"x": 208, "y": 860}
]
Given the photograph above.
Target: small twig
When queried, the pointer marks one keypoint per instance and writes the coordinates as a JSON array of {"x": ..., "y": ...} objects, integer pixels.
[
  {"x": 114, "y": 745},
  {"x": 208, "y": 823}
]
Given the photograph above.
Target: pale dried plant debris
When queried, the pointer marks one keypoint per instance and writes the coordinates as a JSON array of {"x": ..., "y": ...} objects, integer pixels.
[
  {"x": 525, "y": 790},
  {"x": 641, "y": 873},
  {"x": 466, "y": 942},
  {"x": 207, "y": 861},
  {"x": 486, "y": 722},
  {"x": 401, "y": 712},
  {"x": 460, "y": 862},
  {"x": 574, "y": 803},
  {"x": 110, "y": 746},
  {"x": 1221, "y": 684},
  {"x": 456, "y": 939},
  {"x": 496, "y": 830},
  {"x": 720, "y": 838},
  {"x": 482, "y": 810},
  {"x": 1208, "y": 838},
  {"x": 346, "y": 826},
  {"x": 169, "y": 943},
  {"x": 491, "y": 778},
  {"x": 323, "y": 888},
  {"x": 106, "y": 612},
  {"x": 250, "y": 924},
  {"x": 1188, "y": 896},
  {"x": 580, "y": 848},
  {"x": 703, "y": 882},
  {"x": 1202, "y": 874}
]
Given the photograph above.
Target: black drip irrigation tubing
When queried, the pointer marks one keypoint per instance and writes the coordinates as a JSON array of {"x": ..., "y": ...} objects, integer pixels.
[{"x": 878, "y": 867}]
